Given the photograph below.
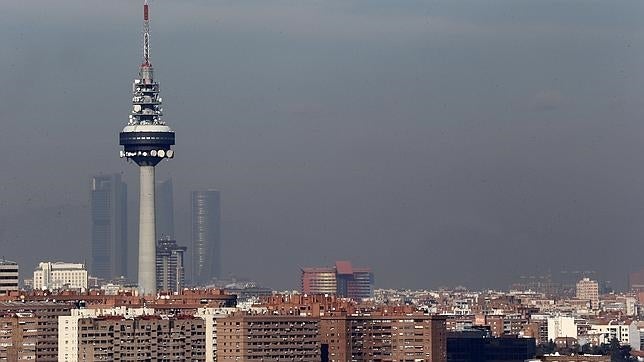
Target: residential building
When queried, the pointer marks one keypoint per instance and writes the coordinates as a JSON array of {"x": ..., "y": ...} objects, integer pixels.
[
  {"x": 46, "y": 314},
  {"x": 588, "y": 290},
  {"x": 211, "y": 317},
  {"x": 206, "y": 236},
  {"x": 108, "y": 199},
  {"x": 18, "y": 336},
  {"x": 9, "y": 276},
  {"x": 561, "y": 326},
  {"x": 267, "y": 337},
  {"x": 142, "y": 338},
  {"x": 59, "y": 275},
  {"x": 68, "y": 326},
  {"x": 383, "y": 337},
  {"x": 626, "y": 332}
]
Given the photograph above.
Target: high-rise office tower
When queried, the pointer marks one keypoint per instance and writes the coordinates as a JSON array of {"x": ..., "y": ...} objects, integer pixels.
[
  {"x": 108, "y": 199},
  {"x": 170, "y": 266},
  {"x": 343, "y": 280},
  {"x": 146, "y": 140},
  {"x": 206, "y": 242},
  {"x": 165, "y": 209}
]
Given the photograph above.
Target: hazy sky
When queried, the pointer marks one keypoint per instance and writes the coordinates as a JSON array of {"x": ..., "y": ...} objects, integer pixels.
[{"x": 439, "y": 142}]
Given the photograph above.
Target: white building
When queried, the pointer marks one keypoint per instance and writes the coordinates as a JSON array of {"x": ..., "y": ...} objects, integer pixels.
[
  {"x": 560, "y": 326},
  {"x": 626, "y": 334},
  {"x": 8, "y": 276},
  {"x": 210, "y": 316},
  {"x": 68, "y": 327},
  {"x": 53, "y": 276}
]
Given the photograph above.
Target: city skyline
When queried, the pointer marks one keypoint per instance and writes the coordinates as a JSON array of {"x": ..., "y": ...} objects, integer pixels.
[
  {"x": 417, "y": 135},
  {"x": 480, "y": 160}
]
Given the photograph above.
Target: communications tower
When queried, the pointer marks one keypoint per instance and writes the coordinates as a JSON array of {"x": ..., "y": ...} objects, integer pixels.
[{"x": 146, "y": 140}]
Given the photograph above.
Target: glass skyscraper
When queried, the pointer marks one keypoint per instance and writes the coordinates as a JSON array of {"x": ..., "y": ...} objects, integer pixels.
[
  {"x": 108, "y": 202},
  {"x": 164, "y": 209},
  {"x": 206, "y": 238}
]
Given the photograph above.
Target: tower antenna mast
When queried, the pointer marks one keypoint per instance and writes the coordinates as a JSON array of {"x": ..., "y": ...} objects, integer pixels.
[{"x": 146, "y": 35}]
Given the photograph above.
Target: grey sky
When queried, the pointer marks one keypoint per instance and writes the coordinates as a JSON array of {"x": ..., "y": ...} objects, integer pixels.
[{"x": 440, "y": 142}]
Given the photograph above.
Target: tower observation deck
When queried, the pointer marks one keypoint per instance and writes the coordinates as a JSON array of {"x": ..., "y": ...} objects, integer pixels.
[{"x": 146, "y": 140}]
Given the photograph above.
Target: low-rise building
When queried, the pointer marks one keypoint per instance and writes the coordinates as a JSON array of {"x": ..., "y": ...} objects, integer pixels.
[
  {"x": 561, "y": 326},
  {"x": 626, "y": 332}
]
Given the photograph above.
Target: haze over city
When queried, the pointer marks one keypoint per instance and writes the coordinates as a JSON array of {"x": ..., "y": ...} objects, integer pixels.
[{"x": 439, "y": 143}]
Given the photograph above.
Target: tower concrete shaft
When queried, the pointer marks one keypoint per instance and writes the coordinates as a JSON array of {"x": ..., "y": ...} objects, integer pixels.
[{"x": 147, "y": 233}]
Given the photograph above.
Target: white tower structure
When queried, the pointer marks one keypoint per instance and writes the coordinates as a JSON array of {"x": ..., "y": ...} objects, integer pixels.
[{"x": 146, "y": 140}]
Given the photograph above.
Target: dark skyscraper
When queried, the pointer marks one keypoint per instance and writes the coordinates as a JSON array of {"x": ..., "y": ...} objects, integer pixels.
[
  {"x": 170, "y": 267},
  {"x": 108, "y": 198},
  {"x": 165, "y": 209},
  {"x": 206, "y": 243}
]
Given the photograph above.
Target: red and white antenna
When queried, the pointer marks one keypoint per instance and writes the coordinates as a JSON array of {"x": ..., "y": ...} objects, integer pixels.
[{"x": 146, "y": 35}]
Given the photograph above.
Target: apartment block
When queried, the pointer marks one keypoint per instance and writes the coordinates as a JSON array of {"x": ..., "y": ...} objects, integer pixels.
[
  {"x": 144, "y": 338},
  {"x": 18, "y": 336},
  {"x": 588, "y": 290},
  {"x": 8, "y": 276},
  {"x": 267, "y": 337},
  {"x": 397, "y": 337},
  {"x": 46, "y": 314}
]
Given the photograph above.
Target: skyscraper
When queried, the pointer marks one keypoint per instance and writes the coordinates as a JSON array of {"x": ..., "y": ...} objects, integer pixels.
[
  {"x": 170, "y": 267},
  {"x": 146, "y": 140},
  {"x": 108, "y": 199},
  {"x": 206, "y": 243},
  {"x": 165, "y": 209}
]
